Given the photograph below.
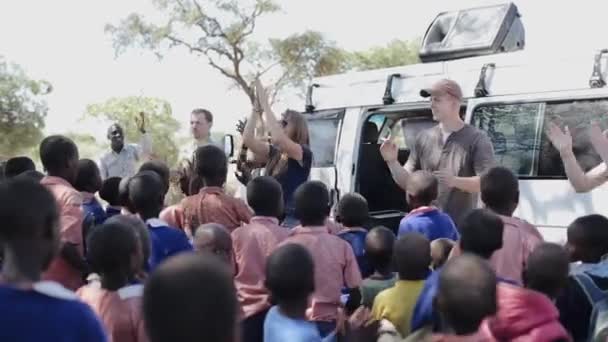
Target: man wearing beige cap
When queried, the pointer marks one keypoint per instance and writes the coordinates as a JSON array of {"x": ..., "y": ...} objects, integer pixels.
[{"x": 456, "y": 153}]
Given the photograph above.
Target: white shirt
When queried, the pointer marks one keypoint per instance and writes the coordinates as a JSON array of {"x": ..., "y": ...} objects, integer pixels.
[{"x": 123, "y": 164}]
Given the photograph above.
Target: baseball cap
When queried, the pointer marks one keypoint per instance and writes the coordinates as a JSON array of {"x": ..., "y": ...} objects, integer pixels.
[{"x": 441, "y": 87}]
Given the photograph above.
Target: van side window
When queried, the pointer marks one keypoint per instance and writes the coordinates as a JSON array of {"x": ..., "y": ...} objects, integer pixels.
[
  {"x": 517, "y": 131},
  {"x": 323, "y": 139},
  {"x": 513, "y": 131}
]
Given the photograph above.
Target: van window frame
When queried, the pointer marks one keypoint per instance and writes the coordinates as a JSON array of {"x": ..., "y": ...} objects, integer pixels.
[
  {"x": 545, "y": 99},
  {"x": 327, "y": 115}
]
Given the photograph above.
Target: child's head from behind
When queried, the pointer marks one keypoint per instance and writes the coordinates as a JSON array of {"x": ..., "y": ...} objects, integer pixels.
[
  {"x": 290, "y": 274},
  {"x": 481, "y": 233},
  {"x": 114, "y": 253},
  {"x": 211, "y": 165},
  {"x": 59, "y": 156},
  {"x": 379, "y": 245},
  {"x": 202, "y": 287},
  {"x": 18, "y": 165},
  {"x": 422, "y": 189},
  {"x": 146, "y": 194},
  {"x": 109, "y": 191},
  {"x": 546, "y": 269},
  {"x": 89, "y": 177},
  {"x": 28, "y": 225},
  {"x": 500, "y": 190},
  {"x": 142, "y": 232},
  {"x": 160, "y": 168},
  {"x": 440, "y": 251},
  {"x": 412, "y": 256},
  {"x": 353, "y": 210},
  {"x": 466, "y": 294},
  {"x": 312, "y": 203},
  {"x": 265, "y": 196},
  {"x": 213, "y": 238},
  {"x": 588, "y": 238}
]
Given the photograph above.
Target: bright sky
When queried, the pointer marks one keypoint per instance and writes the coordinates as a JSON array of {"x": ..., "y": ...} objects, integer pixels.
[{"x": 63, "y": 42}]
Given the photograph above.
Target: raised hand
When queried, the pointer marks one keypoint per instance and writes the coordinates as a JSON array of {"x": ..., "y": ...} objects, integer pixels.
[
  {"x": 561, "y": 140},
  {"x": 141, "y": 122},
  {"x": 262, "y": 95},
  {"x": 389, "y": 151},
  {"x": 599, "y": 141},
  {"x": 240, "y": 125}
]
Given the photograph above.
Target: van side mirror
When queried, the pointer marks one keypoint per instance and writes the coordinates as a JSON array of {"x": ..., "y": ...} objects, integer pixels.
[{"x": 229, "y": 145}]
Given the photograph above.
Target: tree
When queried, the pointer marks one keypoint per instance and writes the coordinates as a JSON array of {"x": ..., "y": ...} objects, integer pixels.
[
  {"x": 395, "y": 53},
  {"x": 160, "y": 123},
  {"x": 22, "y": 109},
  {"x": 221, "y": 32},
  {"x": 88, "y": 146}
]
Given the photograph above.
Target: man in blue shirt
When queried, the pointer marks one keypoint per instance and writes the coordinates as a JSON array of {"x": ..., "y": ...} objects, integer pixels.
[
  {"x": 422, "y": 190},
  {"x": 147, "y": 195}
]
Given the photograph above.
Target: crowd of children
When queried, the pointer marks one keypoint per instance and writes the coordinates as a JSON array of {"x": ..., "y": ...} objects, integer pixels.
[{"x": 216, "y": 268}]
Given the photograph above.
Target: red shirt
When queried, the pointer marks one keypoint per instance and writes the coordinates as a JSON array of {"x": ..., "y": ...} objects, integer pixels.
[
  {"x": 253, "y": 244},
  {"x": 212, "y": 205},
  {"x": 69, "y": 203},
  {"x": 335, "y": 267}
]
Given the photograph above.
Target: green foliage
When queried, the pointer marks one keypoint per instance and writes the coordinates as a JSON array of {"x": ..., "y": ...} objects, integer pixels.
[
  {"x": 22, "y": 109},
  {"x": 88, "y": 146},
  {"x": 396, "y": 53},
  {"x": 160, "y": 123}
]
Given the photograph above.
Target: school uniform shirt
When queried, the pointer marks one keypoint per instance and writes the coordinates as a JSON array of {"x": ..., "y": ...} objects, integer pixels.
[
  {"x": 335, "y": 267},
  {"x": 213, "y": 205},
  {"x": 69, "y": 203},
  {"x": 371, "y": 287},
  {"x": 519, "y": 240},
  {"x": 46, "y": 312},
  {"x": 430, "y": 222},
  {"x": 113, "y": 211},
  {"x": 397, "y": 304},
  {"x": 123, "y": 163},
  {"x": 280, "y": 328},
  {"x": 166, "y": 241},
  {"x": 355, "y": 236},
  {"x": 252, "y": 245},
  {"x": 119, "y": 311},
  {"x": 92, "y": 207}
]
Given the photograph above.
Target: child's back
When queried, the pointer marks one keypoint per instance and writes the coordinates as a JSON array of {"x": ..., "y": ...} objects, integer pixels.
[
  {"x": 379, "y": 245},
  {"x": 412, "y": 259},
  {"x": 353, "y": 213},
  {"x": 430, "y": 222},
  {"x": 120, "y": 311},
  {"x": 46, "y": 312},
  {"x": 279, "y": 328},
  {"x": 166, "y": 242}
]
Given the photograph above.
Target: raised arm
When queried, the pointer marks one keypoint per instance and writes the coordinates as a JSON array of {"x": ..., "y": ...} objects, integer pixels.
[
  {"x": 390, "y": 154},
  {"x": 581, "y": 181},
  {"x": 144, "y": 149},
  {"x": 258, "y": 147},
  {"x": 278, "y": 136}
]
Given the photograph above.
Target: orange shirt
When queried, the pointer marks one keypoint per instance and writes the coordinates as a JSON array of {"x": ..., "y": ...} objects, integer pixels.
[
  {"x": 119, "y": 311},
  {"x": 253, "y": 244},
  {"x": 335, "y": 267},
  {"x": 69, "y": 203},
  {"x": 173, "y": 215},
  {"x": 212, "y": 205}
]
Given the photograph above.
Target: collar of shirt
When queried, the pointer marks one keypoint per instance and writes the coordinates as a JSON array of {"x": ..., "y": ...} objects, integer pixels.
[
  {"x": 264, "y": 220},
  {"x": 215, "y": 190},
  {"x": 51, "y": 180},
  {"x": 353, "y": 230},
  {"x": 156, "y": 222},
  {"x": 309, "y": 230},
  {"x": 421, "y": 210}
]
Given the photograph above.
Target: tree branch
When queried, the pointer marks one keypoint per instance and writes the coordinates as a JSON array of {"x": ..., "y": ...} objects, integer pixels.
[{"x": 178, "y": 41}]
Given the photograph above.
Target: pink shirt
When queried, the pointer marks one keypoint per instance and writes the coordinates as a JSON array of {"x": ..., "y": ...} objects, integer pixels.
[
  {"x": 212, "y": 205},
  {"x": 335, "y": 267},
  {"x": 69, "y": 203},
  {"x": 519, "y": 240},
  {"x": 252, "y": 245},
  {"x": 173, "y": 215},
  {"x": 119, "y": 311}
]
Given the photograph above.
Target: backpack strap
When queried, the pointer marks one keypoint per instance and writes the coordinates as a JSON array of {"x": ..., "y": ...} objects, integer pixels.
[{"x": 593, "y": 293}]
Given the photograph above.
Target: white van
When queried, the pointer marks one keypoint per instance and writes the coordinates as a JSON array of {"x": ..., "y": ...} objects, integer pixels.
[{"x": 510, "y": 95}]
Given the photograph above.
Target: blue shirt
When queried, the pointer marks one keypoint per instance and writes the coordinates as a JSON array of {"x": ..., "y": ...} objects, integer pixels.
[
  {"x": 356, "y": 239},
  {"x": 48, "y": 312},
  {"x": 293, "y": 176},
  {"x": 92, "y": 208},
  {"x": 431, "y": 223},
  {"x": 280, "y": 328},
  {"x": 111, "y": 211},
  {"x": 166, "y": 242}
]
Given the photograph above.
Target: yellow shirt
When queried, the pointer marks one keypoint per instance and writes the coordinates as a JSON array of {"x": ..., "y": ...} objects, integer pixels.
[{"x": 397, "y": 304}]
